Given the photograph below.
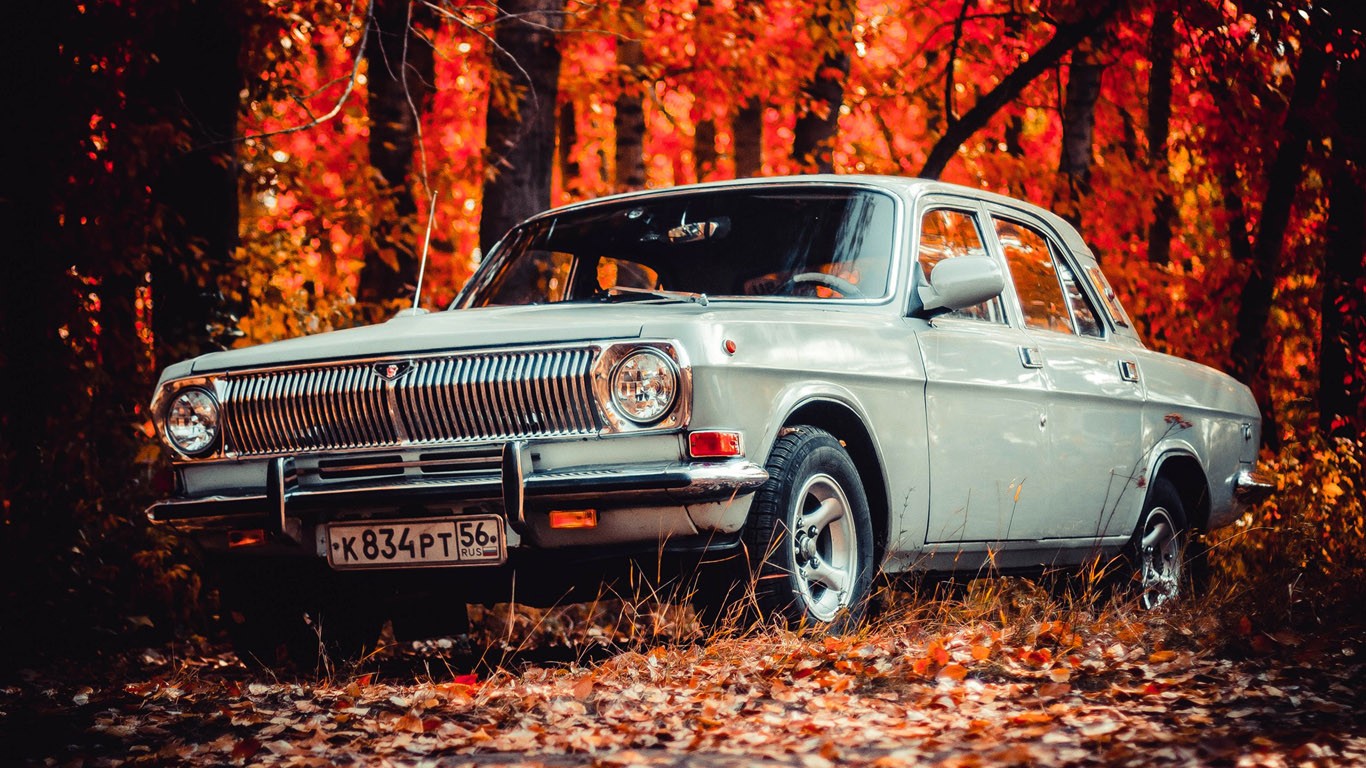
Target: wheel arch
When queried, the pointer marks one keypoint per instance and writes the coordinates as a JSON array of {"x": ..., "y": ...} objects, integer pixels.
[
  {"x": 1184, "y": 471},
  {"x": 848, "y": 427}
]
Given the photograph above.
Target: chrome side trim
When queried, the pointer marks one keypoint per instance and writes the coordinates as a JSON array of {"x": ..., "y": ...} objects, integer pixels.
[{"x": 680, "y": 482}]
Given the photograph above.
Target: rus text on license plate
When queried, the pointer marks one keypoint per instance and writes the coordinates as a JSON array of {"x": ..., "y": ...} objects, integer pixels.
[{"x": 473, "y": 540}]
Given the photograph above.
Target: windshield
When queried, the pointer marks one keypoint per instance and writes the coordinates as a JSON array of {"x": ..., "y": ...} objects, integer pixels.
[{"x": 825, "y": 243}]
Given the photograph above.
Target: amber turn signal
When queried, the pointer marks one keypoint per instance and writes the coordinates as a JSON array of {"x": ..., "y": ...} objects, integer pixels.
[
  {"x": 714, "y": 444},
  {"x": 250, "y": 538},
  {"x": 574, "y": 518}
]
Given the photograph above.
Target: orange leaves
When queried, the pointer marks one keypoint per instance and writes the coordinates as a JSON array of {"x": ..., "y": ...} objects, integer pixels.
[
  {"x": 409, "y": 723},
  {"x": 1161, "y": 657},
  {"x": 1046, "y": 690},
  {"x": 922, "y": 667},
  {"x": 1036, "y": 657},
  {"x": 1031, "y": 718},
  {"x": 1310, "y": 532},
  {"x": 583, "y": 688},
  {"x": 1058, "y": 633},
  {"x": 938, "y": 654},
  {"x": 955, "y": 672},
  {"x": 935, "y": 661},
  {"x": 244, "y": 750}
]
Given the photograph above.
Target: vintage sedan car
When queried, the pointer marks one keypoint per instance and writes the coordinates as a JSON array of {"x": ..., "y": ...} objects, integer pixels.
[{"x": 816, "y": 377}]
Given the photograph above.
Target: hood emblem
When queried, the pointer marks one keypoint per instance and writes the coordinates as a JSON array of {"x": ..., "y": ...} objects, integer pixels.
[{"x": 392, "y": 371}]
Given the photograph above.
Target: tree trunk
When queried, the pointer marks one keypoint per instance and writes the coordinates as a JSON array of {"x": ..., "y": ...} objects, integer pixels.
[
  {"x": 814, "y": 135},
  {"x": 1065, "y": 38},
  {"x": 1240, "y": 245},
  {"x": 747, "y": 136},
  {"x": 564, "y": 151},
  {"x": 1014, "y": 128},
  {"x": 629, "y": 120},
  {"x": 1161, "y": 52},
  {"x": 37, "y": 295},
  {"x": 704, "y": 148},
  {"x": 399, "y": 75},
  {"x": 1282, "y": 179},
  {"x": 1342, "y": 355},
  {"x": 123, "y": 168},
  {"x": 521, "y": 146},
  {"x": 1078, "y": 131}
]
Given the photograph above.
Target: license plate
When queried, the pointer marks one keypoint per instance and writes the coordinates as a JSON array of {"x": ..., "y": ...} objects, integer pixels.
[{"x": 474, "y": 540}]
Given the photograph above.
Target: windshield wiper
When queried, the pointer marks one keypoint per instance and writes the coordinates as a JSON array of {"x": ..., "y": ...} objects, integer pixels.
[{"x": 622, "y": 293}]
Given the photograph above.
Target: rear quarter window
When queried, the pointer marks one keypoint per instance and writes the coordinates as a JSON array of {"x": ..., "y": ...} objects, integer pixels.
[{"x": 1107, "y": 294}]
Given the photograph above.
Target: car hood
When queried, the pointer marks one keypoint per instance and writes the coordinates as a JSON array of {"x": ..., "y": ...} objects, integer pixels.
[{"x": 440, "y": 331}]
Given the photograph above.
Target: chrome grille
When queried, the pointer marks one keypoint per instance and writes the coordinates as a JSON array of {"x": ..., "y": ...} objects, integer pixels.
[{"x": 490, "y": 396}]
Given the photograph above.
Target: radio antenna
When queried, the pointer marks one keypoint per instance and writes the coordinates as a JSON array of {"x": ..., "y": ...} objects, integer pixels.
[{"x": 426, "y": 245}]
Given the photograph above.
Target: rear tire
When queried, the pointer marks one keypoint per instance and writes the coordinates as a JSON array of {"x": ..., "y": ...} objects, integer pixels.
[
  {"x": 1164, "y": 564},
  {"x": 810, "y": 536}
]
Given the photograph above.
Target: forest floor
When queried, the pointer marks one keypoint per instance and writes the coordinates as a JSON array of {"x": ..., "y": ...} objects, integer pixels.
[{"x": 1015, "y": 677}]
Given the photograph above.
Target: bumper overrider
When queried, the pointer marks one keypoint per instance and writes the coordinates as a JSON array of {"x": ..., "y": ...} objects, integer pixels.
[{"x": 284, "y": 507}]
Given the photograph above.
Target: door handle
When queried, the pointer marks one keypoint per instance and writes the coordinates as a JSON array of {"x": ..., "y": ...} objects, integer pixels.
[
  {"x": 1031, "y": 357},
  {"x": 1128, "y": 370}
]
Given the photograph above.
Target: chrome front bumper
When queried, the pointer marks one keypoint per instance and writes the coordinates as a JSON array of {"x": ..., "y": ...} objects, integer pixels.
[{"x": 521, "y": 490}]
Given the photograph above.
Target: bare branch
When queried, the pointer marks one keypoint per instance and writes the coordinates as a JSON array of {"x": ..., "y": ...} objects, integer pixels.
[
  {"x": 950, "y": 116},
  {"x": 1064, "y": 39},
  {"x": 478, "y": 30},
  {"x": 417, "y": 121},
  {"x": 341, "y": 102}
]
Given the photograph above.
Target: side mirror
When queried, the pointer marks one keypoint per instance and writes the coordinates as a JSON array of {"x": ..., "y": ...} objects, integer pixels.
[{"x": 961, "y": 282}]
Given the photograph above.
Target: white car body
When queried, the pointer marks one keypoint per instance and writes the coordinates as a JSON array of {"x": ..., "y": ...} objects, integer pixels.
[{"x": 979, "y": 444}]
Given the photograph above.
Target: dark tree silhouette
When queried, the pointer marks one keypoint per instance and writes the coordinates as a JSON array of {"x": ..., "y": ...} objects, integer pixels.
[{"x": 521, "y": 140}]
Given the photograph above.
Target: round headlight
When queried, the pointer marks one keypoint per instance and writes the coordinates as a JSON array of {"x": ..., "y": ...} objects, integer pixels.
[
  {"x": 644, "y": 386},
  {"x": 192, "y": 421}
]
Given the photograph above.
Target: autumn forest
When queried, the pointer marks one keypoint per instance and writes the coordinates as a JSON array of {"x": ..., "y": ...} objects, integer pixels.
[{"x": 186, "y": 175}]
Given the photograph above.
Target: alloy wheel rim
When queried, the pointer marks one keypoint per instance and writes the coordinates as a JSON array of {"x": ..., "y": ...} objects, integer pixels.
[
  {"x": 824, "y": 546},
  {"x": 1160, "y": 559}
]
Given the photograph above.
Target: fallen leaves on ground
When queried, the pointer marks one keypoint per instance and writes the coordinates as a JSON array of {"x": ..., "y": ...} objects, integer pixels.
[{"x": 1074, "y": 690}]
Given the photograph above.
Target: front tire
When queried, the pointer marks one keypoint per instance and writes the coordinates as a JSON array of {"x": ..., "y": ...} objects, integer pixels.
[{"x": 809, "y": 536}]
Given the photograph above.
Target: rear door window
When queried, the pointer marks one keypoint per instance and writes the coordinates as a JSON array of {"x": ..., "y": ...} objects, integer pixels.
[{"x": 1036, "y": 276}]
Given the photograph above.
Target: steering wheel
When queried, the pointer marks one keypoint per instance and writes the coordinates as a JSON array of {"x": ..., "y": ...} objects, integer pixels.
[{"x": 837, "y": 284}]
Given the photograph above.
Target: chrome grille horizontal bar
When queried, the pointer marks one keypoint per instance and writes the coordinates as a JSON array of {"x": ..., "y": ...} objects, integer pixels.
[{"x": 427, "y": 400}]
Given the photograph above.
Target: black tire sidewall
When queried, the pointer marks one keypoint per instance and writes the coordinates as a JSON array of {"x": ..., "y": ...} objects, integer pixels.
[
  {"x": 798, "y": 455},
  {"x": 1162, "y": 494}
]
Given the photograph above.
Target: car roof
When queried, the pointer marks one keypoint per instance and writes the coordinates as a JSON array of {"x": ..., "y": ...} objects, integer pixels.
[{"x": 909, "y": 186}]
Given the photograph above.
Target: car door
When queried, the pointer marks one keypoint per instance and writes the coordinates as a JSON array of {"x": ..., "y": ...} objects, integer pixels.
[
  {"x": 984, "y": 405},
  {"x": 1095, "y": 393}
]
